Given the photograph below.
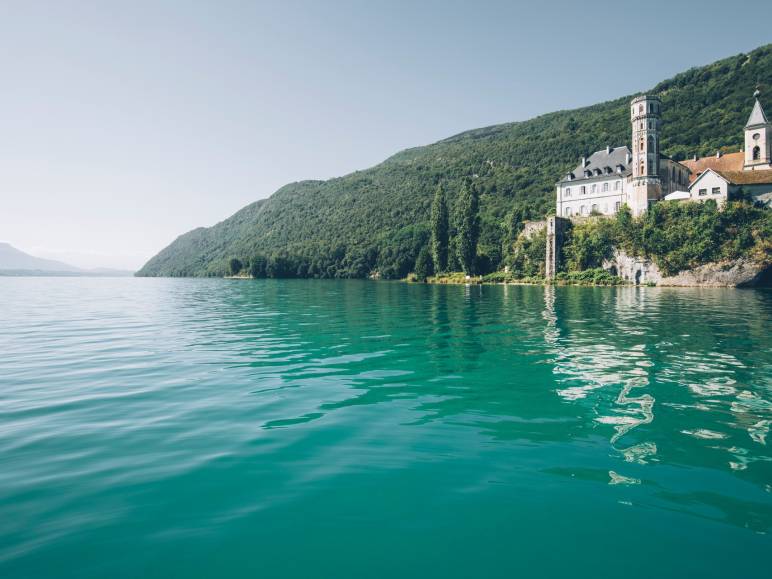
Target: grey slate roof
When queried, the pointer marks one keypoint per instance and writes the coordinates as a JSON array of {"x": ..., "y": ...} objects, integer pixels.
[
  {"x": 602, "y": 160},
  {"x": 757, "y": 115}
]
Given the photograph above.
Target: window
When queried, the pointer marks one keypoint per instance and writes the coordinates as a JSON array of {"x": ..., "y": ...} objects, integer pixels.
[
  {"x": 703, "y": 192},
  {"x": 640, "y": 147},
  {"x": 640, "y": 108},
  {"x": 651, "y": 144},
  {"x": 672, "y": 174},
  {"x": 643, "y": 169},
  {"x": 594, "y": 208},
  {"x": 616, "y": 186},
  {"x": 651, "y": 168},
  {"x": 716, "y": 191},
  {"x": 617, "y": 206},
  {"x": 605, "y": 208},
  {"x": 583, "y": 190},
  {"x": 756, "y": 153},
  {"x": 605, "y": 186},
  {"x": 568, "y": 191},
  {"x": 594, "y": 187},
  {"x": 568, "y": 212},
  {"x": 583, "y": 210}
]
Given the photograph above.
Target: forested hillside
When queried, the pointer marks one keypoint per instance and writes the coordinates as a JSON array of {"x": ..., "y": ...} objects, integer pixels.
[{"x": 377, "y": 220}]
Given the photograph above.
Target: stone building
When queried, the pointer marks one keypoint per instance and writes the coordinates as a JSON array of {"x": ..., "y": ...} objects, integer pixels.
[
  {"x": 722, "y": 176},
  {"x": 613, "y": 177}
]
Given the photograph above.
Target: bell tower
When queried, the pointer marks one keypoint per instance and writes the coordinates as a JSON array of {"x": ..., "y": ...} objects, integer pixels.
[
  {"x": 758, "y": 138},
  {"x": 645, "y": 185}
]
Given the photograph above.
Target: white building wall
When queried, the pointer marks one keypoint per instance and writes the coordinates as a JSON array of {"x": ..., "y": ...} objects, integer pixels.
[
  {"x": 709, "y": 186},
  {"x": 604, "y": 196}
]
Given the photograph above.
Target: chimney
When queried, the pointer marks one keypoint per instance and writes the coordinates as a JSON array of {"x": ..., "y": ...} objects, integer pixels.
[
  {"x": 718, "y": 154},
  {"x": 628, "y": 158},
  {"x": 584, "y": 161},
  {"x": 695, "y": 158},
  {"x": 608, "y": 149}
]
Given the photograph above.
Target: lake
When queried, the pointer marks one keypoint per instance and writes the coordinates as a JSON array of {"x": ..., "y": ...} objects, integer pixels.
[{"x": 351, "y": 429}]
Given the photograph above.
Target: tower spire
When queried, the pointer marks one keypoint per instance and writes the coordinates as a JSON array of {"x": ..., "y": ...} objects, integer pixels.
[{"x": 758, "y": 137}]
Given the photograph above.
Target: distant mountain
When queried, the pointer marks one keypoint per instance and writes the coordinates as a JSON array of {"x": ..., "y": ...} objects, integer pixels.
[
  {"x": 15, "y": 262},
  {"x": 378, "y": 219},
  {"x": 14, "y": 259}
]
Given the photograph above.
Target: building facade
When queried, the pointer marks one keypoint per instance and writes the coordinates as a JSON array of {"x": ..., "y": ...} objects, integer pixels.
[
  {"x": 613, "y": 177},
  {"x": 747, "y": 172},
  {"x": 608, "y": 179}
]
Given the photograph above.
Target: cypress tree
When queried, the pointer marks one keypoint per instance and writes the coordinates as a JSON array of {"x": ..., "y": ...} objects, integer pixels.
[
  {"x": 423, "y": 265},
  {"x": 440, "y": 230},
  {"x": 468, "y": 220}
]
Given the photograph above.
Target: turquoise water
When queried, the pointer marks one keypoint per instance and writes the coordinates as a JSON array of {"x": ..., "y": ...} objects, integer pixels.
[{"x": 216, "y": 428}]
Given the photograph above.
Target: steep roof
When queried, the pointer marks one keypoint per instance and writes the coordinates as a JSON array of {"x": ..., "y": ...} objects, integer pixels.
[
  {"x": 757, "y": 116},
  {"x": 760, "y": 177},
  {"x": 601, "y": 160},
  {"x": 727, "y": 162}
]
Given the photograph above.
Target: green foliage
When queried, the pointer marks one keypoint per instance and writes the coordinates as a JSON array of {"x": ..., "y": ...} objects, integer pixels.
[
  {"x": 440, "y": 228},
  {"x": 424, "y": 266},
  {"x": 528, "y": 256},
  {"x": 680, "y": 236},
  {"x": 468, "y": 227},
  {"x": 378, "y": 219},
  {"x": 676, "y": 236},
  {"x": 588, "y": 245},
  {"x": 234, "y": 266},
  {"x": 594, "y": 276},
  {"x": 258, "y": 266}
]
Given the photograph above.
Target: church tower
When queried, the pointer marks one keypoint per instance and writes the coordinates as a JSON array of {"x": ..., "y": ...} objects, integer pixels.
[
  {"x": 758, "y": 138},
  {"x": 645, "y": 185}
]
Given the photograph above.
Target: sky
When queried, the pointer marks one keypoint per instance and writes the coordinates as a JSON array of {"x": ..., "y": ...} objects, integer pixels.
[{"x": 126, "y": 124}]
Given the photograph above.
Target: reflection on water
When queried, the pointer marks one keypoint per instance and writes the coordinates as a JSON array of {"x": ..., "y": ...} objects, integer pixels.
[{"x": 139, "y": 418}]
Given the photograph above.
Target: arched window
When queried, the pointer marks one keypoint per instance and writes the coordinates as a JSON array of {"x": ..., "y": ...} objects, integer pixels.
[
  {"x": 643, "y": 169},
  {"x": 640, "y": 146},
  {"x": 651, "y": 144},
  {"x": 756, "y": 153},
  {"x": 640, "y": 108}
]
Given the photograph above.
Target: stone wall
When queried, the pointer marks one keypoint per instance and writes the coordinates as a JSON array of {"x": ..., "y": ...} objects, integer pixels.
[{"x": 735, "y": 273}]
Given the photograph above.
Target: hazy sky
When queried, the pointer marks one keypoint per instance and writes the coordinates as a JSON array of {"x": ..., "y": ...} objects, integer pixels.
[{"x": 125, "y": 124}]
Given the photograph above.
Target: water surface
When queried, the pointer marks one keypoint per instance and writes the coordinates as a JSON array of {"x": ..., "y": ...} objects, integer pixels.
[{"x": 215, "y": 428}]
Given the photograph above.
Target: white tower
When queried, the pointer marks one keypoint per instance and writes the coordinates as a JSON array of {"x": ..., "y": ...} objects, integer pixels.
[
  {"x": 758, "y": 138},
  {"x": 645, "y": 186}
]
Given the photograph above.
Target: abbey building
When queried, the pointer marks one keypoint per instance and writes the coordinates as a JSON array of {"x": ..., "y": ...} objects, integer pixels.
[{"x": 613, "y": 177}]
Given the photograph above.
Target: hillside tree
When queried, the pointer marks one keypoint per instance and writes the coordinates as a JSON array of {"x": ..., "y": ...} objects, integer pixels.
[
  {"x": 468, "y": 224},
  {"x": 440, "y": 228}
]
